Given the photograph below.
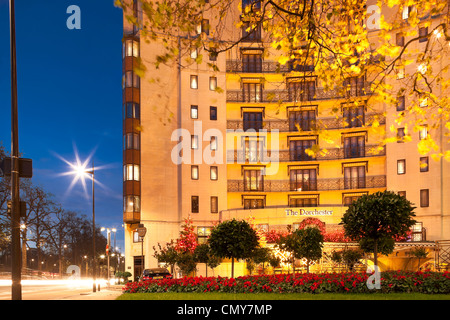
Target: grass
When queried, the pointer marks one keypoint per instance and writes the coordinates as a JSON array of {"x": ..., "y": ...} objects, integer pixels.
[{"x": 284, "y": 296}]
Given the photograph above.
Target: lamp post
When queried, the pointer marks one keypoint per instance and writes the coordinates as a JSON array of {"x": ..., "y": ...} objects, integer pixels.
[{"x": 108, "y": 247}]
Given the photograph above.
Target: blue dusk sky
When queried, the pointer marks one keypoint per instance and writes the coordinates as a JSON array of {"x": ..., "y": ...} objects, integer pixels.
[{"x": 69, "y": 100}]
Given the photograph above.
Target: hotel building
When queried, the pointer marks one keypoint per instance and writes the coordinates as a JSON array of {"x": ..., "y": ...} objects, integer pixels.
[{"x": 234, "y": 143}]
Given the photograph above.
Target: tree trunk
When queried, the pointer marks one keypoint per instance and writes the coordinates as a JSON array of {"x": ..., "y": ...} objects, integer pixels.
[
  {"x": 232, "y": 267},
  {"x": 375, "y": 254}
]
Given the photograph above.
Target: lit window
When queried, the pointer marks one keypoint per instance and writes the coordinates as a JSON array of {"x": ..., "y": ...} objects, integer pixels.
[
  {"x": 194, "y": 172},
  {"x": 423, "y": 101},
  {"x": 131, "y": 204},
  {"x": 194, "y": 112},
  {"x": 194, "y": 82},
  {"x": 423, "y": 133},
  {"x": 214, "y": 173},
  {"x": 130, "y": 48},
  {"x": 212, "y": 83},
  {"x": 400, "y": 72},
  {"x": 131, "y": 80},
  {"x": 194, "y": 54},
  {"x": 213, "y": 144},
  {"x": 194, "y": 142},
  {"x": 131, "y": 172},
  {"x": 401, "y": 166},
  {"x": 406, "y": 12}
]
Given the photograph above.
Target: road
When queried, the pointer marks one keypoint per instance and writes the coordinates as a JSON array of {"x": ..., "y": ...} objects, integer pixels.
[{"x": 58, "y": 291}]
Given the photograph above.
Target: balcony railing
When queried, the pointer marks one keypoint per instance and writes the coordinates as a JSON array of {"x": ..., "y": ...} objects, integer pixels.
[
  {"x": 318, "y": 124},
  {"x": 327, "y": 184},
  {"x": 241, "y": 156}
]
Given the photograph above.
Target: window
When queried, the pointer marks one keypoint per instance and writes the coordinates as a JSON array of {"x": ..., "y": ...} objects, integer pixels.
[
  {"x": 194, "y": 172},
  {"x": 131, "y": 141},
  {"x": 252, "y": 120},
  {"x": 349, "y": 199},
  {"x": 253, "y": 4},
  {"x": 417, "y": 232},
  {"x": 131, "y": 172},
  {"x": 252, "y": 150},
  {"x": 194, "y": 82},
  {"x": 214, "y": 204},
  {"x": 297, "y": 150},
  {"x": 253, "y": 180},
  {"x": 205, "y": 26},
  {"x": 252, "y": 62},
  {"x": 354, "y": 117},
  {"x": 194, "y": 142},
  {"x": 406, "y": 12},
  {"x": 212, "y": 113},
  {"x": 303, "y": 202},
  {"x": 212, "y": 83},
  {"x": 132, "y": 110},
  {"x": 251, "y": 92},
  {"x": 251, "y": 32},
  {"x": 402, "y": 193},
  {"x": 424, "y": 164},
  {"x": 423, "y": 133},
  {"x": 214, "y": 173},
  {"x": 213, "y": 143},
  {"x": 131, "y": 80},
  {"x": 400, "y": 72},
  {"x": 194, "y": 53},
  {"x": 303, "y": 180},
  {"x": 194, "y": 112},
  {"x": 253, "y": 203},
  {"x": 401, "y": 166},
  {"x": 423, "y": 32},
  {"x": 130, "y": 48},
  {"x": 194, "y": 204},
  {"x": 301, "y": 90},
  {"x": 202, "y": 234},
  {"x": 400, "y": 135},
  {"x": 304, "y": 120},
  {"x": 354, "y": 147},
  {"x": 400, "y": 39},
  {"x": 424, "y": 198},
  {"x": 423, "y": 101},
  {"x": 401, "y": 103},
  {"x": 354, "y": 86},
  {"x": 354, "y": 177},
  {"x": 131, "y": 204}
]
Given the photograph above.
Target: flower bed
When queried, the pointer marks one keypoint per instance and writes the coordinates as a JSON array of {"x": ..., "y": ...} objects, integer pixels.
[{"x": 391, "y": 281}]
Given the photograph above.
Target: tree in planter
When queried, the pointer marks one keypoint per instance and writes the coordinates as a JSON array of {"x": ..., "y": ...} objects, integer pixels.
[
  {"x": 375, "y": 221},
  {"x": 419, "y": 253},
  {"x": 203, "y": 255},
  {"x": 311, "y": 243},
  {"x": 233, "y": 239},
  {"x": 166, "y": 254}
]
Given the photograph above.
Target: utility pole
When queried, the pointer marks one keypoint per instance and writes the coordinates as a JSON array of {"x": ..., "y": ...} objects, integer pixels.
[{"x": 16, "y": 272}]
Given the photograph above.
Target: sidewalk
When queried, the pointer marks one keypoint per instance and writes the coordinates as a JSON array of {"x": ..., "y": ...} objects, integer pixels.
[{"x": 110, "y": 293}]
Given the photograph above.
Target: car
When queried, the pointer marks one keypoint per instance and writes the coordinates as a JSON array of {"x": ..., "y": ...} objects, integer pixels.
[{"x": 156, "y": 273}]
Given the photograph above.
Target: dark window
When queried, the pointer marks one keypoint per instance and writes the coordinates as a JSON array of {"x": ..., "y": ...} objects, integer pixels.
[
  {"x": 252, "y": 62},
  {"x": 301, "y": 90},
  {"x": 252, "y": 92},
  {"x": 354, "y": 177},
  {"x": 348, "y": 200},
  {"x": 253, "y": 180},
  {"x": 303, "y": 202},
  {"x": 424, "y": 198},
  {"x": 354, "y": 117},
  {"x": 297, "y": 150},
  {"x": 133, "y": 110},
  {"x": 252, "y": 120},
  {"x": 131, "y": 141},
  {"x": 400, "y": 135},
  {"x": 424, "y": 164},
  {"x": 423, "y": 32},
  {"x": 400, "y": 39},
  {"x": 354, "y": 147},
  {"x": 205, "y": 26},
  {"x": 214, "y": 204},
  {"x": 251, "y": 32},
  {"x": 303, "y": 180},
  {"x": 354, "y": 86},
  {"x": 401, "y": 103},
  {"x": 402, "y": 193},
  {"x": 212, "y": 113},
  {"x": 194, "y": 204},
  {"x": 304, "y": 120}
]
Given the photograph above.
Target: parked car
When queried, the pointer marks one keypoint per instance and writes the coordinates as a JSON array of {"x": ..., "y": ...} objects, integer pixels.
[{"x": 156, "y": 273}]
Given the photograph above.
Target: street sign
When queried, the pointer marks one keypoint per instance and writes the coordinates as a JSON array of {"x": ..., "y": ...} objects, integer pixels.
[
  {"x": 141, "y": 231},
  {"x": 25, "y": 167}
]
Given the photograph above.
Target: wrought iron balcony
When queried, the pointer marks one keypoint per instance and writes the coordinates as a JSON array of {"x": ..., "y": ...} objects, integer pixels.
[{"x": 326, "y": 184}]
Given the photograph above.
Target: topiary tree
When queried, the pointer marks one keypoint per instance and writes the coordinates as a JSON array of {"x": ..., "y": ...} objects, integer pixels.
[
  {"x": 375, "y": 221},
  {"x": 233, "y": 239},
  {"x": 203, "y": 255},
  {"x": 311, "y": 243}
]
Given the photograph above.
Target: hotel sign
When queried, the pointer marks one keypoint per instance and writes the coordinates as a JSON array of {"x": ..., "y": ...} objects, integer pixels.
[{"x": 308, "y": 212}]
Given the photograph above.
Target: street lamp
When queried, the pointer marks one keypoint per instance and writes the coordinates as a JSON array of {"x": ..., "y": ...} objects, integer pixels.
[
  {"x": 108, "y": 246},
  {"x": 80, "y": 171}
]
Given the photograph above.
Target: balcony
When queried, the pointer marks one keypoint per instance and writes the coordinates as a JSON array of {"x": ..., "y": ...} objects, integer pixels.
[
  {"x": 242, "y": 157},
  {"x": 327, "y": 184},
  {"x": 320, "y": 124}
]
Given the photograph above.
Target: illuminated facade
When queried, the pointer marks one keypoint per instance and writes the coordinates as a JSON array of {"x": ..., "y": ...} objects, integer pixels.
[{"x": 244, "y": 149}]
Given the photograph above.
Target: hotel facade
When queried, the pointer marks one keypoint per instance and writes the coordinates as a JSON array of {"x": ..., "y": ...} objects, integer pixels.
[{"x": 234, "y": 142}]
